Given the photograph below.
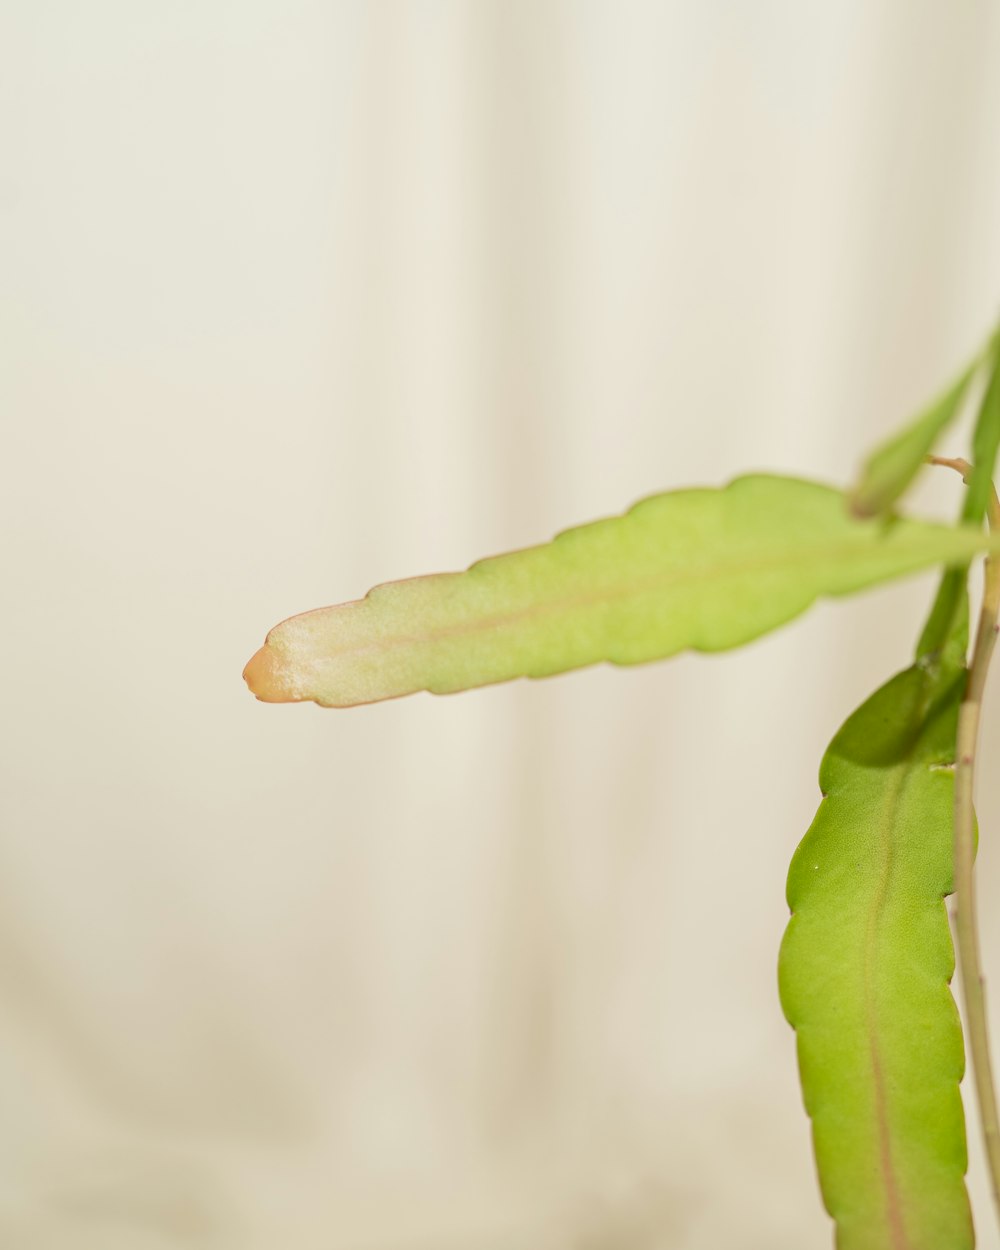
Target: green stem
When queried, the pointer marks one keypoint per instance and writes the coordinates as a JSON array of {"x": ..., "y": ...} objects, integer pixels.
[{"x": 970, "y": 964}]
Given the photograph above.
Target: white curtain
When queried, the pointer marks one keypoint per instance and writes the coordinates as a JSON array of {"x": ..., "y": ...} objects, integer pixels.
[{"x": 304, "y": 296}]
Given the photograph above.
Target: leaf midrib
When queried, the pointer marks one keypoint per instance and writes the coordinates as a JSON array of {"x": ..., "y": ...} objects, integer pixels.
[
  {"x": 690, "y": 575},
  {"x": 896, "y": 787}
]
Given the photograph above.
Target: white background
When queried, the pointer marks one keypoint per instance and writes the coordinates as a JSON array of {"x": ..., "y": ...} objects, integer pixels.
[{"x": 303, "y": 296}]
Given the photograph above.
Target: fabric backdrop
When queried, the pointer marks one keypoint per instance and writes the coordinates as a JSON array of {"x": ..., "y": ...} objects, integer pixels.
[{"x": 304, "y": 296}]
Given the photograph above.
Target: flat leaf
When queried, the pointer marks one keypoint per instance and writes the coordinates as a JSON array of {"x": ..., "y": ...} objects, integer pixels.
[
  {"x": 893, "y": 465},
  {"x": 702, "y": 569},
  {"x": 948, "y": 622},
  {"x": 865, "y": 967},
  {"x": 985, "y": 443}
]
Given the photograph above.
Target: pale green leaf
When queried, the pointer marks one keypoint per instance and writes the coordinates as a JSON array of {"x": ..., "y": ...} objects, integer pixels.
[
  {"x": 704, "y": 569},
  {"x": 893, "y": 465},
  {"x": 865, "y": 968},
  {"x": 985, "y": 443},
  {"x": 948, "y": 622}
]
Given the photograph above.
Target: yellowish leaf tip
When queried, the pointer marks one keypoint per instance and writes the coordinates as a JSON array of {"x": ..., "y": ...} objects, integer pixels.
[
  {"x": 861, "y": 507},
  {"x": 269, "y": 680}
]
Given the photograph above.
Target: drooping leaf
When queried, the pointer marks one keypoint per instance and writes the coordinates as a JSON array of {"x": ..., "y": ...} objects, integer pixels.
[
  {"x": 985, "y": 443},
  {"x": 865, "y": 967},
  {"x": 893, "y": 465},
  {"x": 702, "y": 569}
]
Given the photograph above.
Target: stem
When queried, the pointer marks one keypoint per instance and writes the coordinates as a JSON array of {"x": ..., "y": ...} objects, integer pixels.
[{"x": 970, "y": 965}]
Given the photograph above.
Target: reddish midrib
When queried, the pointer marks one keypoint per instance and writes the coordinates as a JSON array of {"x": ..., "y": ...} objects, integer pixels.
[
  {"x": 893, "y": 1202},
  {"x": 683, "y": 576}
]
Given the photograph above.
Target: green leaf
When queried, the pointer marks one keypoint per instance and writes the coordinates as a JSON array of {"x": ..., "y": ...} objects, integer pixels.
[
  {"x": 702, "y": 569},
  {"x": 893, "y": 465},
  {"x": 948, "y": 622},
  {"x": 865, "y": 967},
  {"x": 985, "y": 443}
]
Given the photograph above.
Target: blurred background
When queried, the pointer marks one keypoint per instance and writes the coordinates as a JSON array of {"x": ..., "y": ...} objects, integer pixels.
[{"x": 304, "y": 296}]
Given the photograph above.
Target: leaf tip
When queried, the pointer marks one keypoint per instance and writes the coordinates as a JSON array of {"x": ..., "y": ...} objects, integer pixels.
[
  {"x": 862, "y": 506},
  {"x": 269, "y": 679}
]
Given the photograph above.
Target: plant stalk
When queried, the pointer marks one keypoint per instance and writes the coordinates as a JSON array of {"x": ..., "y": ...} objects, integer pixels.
[{"x": 966, "y": 921}]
